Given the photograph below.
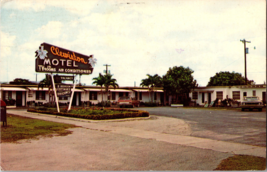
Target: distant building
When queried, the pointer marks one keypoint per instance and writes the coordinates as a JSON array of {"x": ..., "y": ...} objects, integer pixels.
[{"x": 202, "y": 95}]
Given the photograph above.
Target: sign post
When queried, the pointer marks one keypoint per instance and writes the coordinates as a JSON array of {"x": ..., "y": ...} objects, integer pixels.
[
  {"x": 72, "y": 94},
  {"x": 55, "y": 92}
]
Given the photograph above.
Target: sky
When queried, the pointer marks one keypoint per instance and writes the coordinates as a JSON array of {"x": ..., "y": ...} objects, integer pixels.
[{"x": 137, "y": 37}]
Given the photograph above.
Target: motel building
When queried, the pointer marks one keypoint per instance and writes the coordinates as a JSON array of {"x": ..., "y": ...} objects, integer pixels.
[
  {"x": 22, "y": 95},
  {"x": 203, "y": 95}
]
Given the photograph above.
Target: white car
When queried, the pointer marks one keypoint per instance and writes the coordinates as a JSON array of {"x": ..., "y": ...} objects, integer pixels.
[{"x": 252, "y": 102}]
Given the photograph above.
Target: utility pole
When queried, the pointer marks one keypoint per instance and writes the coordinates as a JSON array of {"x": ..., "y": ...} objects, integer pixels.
[
  {"x": 106, "y": 68},
  {"x": 245, "y": 53}
]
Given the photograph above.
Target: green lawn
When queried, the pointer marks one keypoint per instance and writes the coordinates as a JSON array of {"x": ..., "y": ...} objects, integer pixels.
[
  {"x": 27, "y": 128},
  {"x": 242, "y": 162}
]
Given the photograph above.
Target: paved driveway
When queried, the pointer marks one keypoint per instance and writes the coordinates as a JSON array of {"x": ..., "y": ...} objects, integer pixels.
[
  {"x": 156, "y": 143},
  {"x": 248, "y": 127}
]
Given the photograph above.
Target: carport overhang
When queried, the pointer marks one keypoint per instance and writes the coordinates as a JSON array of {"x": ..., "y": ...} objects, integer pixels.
[
  {"x": 206, "y": 91},
  {"x": 12, "y": 89}
]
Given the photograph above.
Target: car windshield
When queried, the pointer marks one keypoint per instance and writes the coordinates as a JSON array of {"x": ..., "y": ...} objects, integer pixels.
[
  {"x": 124, "y": 98},
  {"x": 251, "y": 98}
]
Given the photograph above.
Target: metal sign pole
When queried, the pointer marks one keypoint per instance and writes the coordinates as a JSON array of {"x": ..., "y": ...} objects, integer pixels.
[
  {"x": 55, "y": 92},
  {"x": 72, "y": 94}
]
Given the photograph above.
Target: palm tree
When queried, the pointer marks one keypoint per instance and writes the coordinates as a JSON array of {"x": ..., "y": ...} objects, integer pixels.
[
  {"x": 152, "y": 81},
  {"x": 100, "y": 80},
  {"x": 106, "y": 81},
  {"x": 109, "y": 81}
]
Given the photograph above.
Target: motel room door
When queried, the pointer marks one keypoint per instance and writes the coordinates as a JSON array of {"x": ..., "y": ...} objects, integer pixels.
[
  {"x": 19, "y": 98},
  {"x": 209, "y": 98},
  {"x": 264, "y": 97},
  {"x": 76, "y": 99}
]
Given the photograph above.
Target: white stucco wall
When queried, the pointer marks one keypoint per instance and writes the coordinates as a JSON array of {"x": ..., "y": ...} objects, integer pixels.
[{"x": 227, "y": 90}]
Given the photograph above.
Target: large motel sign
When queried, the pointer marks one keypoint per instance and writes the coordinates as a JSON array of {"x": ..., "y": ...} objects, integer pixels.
[{"x": 54, "y": 59}]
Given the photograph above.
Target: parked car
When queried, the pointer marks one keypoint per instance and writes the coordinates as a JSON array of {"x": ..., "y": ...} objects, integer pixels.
[
  {"x": 128, "y": 102},
  {"x": 252, "y": 102}
]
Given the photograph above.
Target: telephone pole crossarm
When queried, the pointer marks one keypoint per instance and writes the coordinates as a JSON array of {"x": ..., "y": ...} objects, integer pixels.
[{"x": 106, "y": 68}]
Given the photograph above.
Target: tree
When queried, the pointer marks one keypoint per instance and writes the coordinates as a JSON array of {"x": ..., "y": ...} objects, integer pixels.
[
  {"x": 20, "y": 81},
  {"x": 109, "y": 81},
  {"x": 152, "y": 81},
  {"x": 100, "y": 80},
  {"x": 179, "y": 81},
  {"x": 228, "y": 79},
  {"x": 106, "y": 81}
]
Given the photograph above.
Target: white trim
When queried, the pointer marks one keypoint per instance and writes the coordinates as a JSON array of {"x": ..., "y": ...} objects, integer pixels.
[
  {"x": 119, "y": 90},
  {"x": 12, "y": 89},
  {"x": 94, "y": 89},
  {"x": 40, "y": 89},
  {"x": 77, "y": 90},
  {"x": 159, "y": 91},
  {"x": 141, "y": 90}
]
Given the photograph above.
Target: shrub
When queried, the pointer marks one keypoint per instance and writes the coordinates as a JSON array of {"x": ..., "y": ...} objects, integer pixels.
[
  {"x": 150, "y": 104},
  {"x": 104, "y": 104},
  {"x": 95, "y": 113}
]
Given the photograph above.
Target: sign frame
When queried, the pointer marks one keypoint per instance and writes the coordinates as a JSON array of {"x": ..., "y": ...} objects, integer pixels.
[{"x": 54, "y": 59}]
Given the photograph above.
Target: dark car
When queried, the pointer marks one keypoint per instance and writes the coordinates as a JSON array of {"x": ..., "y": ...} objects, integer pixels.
[
  {"x": 128, "y": 101},
  {"x": 251, "y": 103}
]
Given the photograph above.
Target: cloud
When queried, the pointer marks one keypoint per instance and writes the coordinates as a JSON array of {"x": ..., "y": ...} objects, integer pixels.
[
  {"x": 24, "y": 5},
  {"x": 7, "y": 41},
  {"x": 81, "y": 7},
  {"x": 50, "y": 31}
]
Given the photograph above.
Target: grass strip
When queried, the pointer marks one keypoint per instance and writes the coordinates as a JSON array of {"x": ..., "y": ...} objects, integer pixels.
[
  {"x": 27, "y": 128},
  {"x": 242, "y": 162}
]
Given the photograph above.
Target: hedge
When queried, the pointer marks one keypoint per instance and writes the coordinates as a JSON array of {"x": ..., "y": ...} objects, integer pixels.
[{"x": 129, "y": 114}]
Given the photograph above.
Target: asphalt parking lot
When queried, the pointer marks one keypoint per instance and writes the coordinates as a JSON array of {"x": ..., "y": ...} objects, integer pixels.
[
  {"x": 188, "y": 140},
  {"x": 227, "y": 124}
]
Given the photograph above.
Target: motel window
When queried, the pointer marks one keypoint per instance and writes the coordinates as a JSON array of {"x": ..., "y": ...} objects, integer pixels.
[
  {"x": 40, "y": 95},
  {"x": 120, "y": 94},
  {"x": 126, "y": 94},
  {"x": 113, "y": 96},
  {"x": 140, "y": 95},
  {"x": 244, "y": 94},
  {"x": 93, "y": 95},
  {"x": 254, "y": 92},
  {"x": 219, "y": 95},
  {"x": 136, "y": 95},
  {"x": 203, "y": 97},
  {"x": 236, "y": 95},
  {"x": 155, "y": 95},
  {"x": 195, "y": 95},
  {"x": 30, "y": 94},
  {"x": 8, "y": 95}
]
